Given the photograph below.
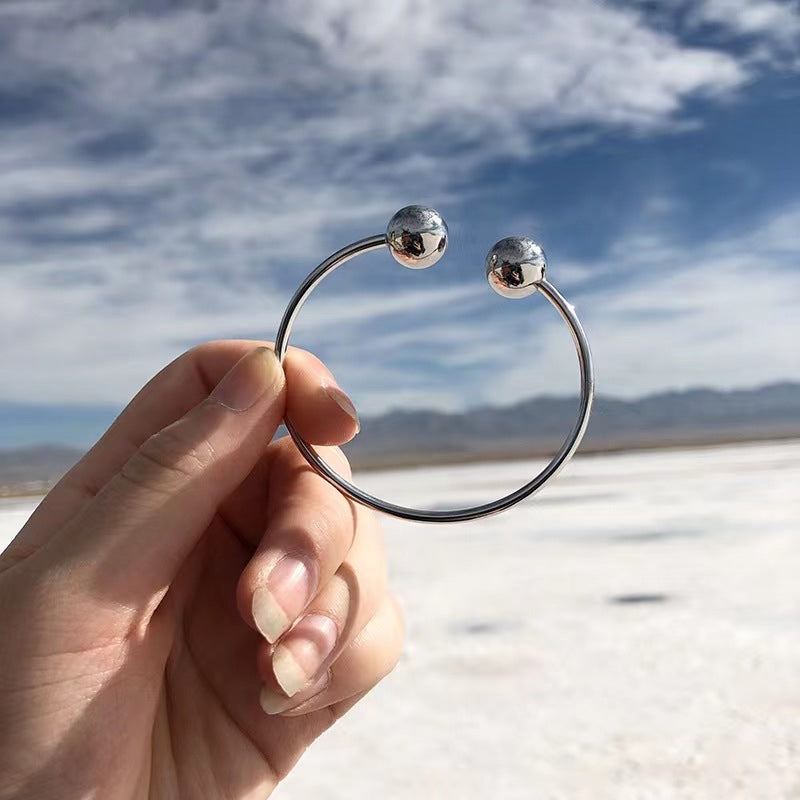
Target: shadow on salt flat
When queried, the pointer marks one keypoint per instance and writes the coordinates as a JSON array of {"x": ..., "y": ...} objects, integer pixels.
[
  {"x": 638, "y": 599},
  {"x": 655, "y": 536},
  {"x": 483, "y": 627}
]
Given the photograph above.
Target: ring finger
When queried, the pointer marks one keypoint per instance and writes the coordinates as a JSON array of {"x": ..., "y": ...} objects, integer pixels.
[
  {"x": 297, "y": 666},
  {"x": 367, "y": 659}
]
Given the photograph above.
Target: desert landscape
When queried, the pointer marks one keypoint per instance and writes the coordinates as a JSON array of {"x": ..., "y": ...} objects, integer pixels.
[{"x": 632, "y": 632}]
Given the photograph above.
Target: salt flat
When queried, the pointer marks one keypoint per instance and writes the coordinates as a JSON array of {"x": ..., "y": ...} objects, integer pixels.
[{"x": 530, "y": 670}]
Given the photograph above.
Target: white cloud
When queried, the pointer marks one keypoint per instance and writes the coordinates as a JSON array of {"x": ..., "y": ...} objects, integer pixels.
[
  {"x": 723, "y": 313},
  {"x": 670, "y": 315},
  {"x": 779, "y": 21},
  {"x": 97, "y": 341},
  {"x": 350, "y": 105},
  {"x": 274, "y": 130}
]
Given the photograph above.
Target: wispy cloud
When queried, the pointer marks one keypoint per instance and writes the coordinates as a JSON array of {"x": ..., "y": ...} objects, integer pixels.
[
  {"x": 777, "y": 21},
  {"x": 667, "y": 314},
  {"x": 170, "y": 173}
]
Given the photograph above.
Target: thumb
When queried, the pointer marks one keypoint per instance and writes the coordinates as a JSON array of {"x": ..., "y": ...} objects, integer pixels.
[{"x": 136, "y": 533}]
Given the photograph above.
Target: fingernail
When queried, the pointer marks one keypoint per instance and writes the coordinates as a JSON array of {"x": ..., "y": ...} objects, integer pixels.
[
  {"x": 248, "y": 381},
  {"x": 300, "y": 656},
  {"x": 287, "y": 592},
  {"x": 343, "y": 401},
  {"x": 273, "y": 702}
]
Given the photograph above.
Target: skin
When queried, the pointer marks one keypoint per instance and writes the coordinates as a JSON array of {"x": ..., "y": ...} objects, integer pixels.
[{"x": 132, "y": 663}]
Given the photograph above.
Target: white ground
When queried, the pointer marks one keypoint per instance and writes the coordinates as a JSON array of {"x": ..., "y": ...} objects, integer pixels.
[{"x": 524, "y": 679}]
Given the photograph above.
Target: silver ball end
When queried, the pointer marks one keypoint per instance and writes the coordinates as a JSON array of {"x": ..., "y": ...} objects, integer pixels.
[
  {"x": 417, "y": 236},
  {"x": 515, "y": 266}
]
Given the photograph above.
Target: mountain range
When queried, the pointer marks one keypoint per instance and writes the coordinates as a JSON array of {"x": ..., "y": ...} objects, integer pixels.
[
  {"x": 532, "y": 427},
  {"x": 539, "y": 425}
]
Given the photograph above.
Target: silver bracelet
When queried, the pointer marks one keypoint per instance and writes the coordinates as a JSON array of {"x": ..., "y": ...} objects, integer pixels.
[{"x": 515, "y": 267}]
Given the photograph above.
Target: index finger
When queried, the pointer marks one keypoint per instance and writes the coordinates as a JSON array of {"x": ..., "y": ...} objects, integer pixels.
[{"x": 313, "y": 404}]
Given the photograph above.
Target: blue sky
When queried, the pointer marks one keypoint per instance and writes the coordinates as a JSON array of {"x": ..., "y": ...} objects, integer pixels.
[{"x": 170, "y": 173}]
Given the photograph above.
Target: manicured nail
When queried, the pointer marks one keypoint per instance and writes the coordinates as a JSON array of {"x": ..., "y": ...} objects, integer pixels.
[
  {"x": 273, "y": 702},
  {"x": 287, "y": 592},
  {"x": 300, "y": 656},
  {"x": 249, "y": 380},
  {"x": 343, "y": 401}
]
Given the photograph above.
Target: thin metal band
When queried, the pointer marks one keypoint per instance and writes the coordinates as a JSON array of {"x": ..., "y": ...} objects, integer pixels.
[{"x": 567, "y": 313}]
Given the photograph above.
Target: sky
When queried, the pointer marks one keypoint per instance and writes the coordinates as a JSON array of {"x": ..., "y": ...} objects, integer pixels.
[{"x": 170, "y": 171}]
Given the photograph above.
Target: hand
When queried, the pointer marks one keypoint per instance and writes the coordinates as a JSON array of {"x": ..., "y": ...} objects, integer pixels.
[{"x": 192, "y": 605}]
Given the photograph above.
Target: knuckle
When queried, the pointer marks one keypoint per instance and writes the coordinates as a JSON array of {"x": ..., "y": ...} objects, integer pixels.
[
  {"x": 331, "y": 526},
  {"x": 167, "y": 460}
]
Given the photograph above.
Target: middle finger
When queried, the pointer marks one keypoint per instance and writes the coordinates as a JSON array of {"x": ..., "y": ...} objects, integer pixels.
[{"x": 309, "y": 531}]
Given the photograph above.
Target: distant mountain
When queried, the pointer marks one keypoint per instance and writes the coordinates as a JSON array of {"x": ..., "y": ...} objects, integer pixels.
[
  {"x": 532, "y": 427},
  {"x": 539, "y": 425}
]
